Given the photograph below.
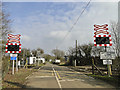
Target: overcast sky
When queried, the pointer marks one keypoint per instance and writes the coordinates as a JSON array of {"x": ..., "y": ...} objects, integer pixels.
[{"x": 45, "y": 24}]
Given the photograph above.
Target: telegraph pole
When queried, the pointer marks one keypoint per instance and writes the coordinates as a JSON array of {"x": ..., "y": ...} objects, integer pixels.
[{"x": 76, "y": 53}]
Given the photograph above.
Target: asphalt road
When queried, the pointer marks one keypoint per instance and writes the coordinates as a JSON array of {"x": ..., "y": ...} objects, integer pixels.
[{"x": 54, "y": 76}]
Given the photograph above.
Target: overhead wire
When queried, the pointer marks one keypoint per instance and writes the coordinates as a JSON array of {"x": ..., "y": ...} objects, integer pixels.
[{"x": 74, "y": 23}]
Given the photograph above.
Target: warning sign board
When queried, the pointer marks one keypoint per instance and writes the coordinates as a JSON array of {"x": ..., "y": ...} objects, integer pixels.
[
  {"x": 107, "y": 55},
  {"x": 107, "y": 62}
]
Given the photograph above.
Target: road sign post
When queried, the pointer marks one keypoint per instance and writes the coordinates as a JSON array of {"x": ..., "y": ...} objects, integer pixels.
[
  {"x": 92, "y": 66},
  {"x": 13, "y": 46},
  {"x": 13, "y": 68},
  {"x": 16, "y": 64},
  {"x": 102, "y": 40}
]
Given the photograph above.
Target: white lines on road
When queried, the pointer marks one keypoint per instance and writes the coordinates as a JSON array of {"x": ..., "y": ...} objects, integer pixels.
[
  {"x": 72, "y": 80},
  {"x": 43, "y": 76},
  {"x": 33, "y": 73},
  {"x": 40, "y": 67},
  {"x": 57, "y": 78},
  {"x": 27, "y": 77}
]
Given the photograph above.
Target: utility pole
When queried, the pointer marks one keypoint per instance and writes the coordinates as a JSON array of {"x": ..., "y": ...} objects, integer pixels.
[{"x": 76, "y": 53}]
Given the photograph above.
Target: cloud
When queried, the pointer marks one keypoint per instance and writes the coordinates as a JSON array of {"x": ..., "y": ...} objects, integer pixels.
[
  {"x": 59, "y": 0},
  {"x": 47, "y": 30},
  {"x": 25, "y": 38}
]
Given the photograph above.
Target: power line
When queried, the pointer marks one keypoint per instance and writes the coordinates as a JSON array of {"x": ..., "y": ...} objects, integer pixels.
[{"x": 74, "y": 23}]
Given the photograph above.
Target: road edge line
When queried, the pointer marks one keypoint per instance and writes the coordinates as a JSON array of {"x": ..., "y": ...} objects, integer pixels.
[
  {"x": 57, "y": 78},
  {"x": 58, "y": 75}
]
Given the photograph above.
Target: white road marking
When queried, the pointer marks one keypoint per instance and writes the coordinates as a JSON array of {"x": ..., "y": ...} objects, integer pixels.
[
  {"x": 27, "y": 77},
  {"x": 33, "y": 73},
  {"x": 40, "y": 67},
  {"x": 72, "y": 80},
  {"x": 57, "y": 79},
  {"x": 43, "y": 76}
]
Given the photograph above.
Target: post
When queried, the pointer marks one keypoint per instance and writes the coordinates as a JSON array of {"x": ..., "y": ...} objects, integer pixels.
[
  {"x": 13, "y": 68},
  {"x": 108, "y": 65},
  {"x": 75, "y": 62},
  {"x": 16, "y": 64},
  {"x": 92, "y": 66},
  {"x": 76, "y": 53}
]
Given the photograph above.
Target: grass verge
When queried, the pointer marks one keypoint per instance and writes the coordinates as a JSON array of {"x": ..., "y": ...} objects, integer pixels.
[
  {"x": 18, "y": 79},
  {"x": 113, "y": 80}
]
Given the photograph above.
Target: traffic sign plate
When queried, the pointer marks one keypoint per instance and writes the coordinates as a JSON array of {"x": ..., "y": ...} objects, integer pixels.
[
  {"x": 107, "y": 55},
  {"x": 105, "y": 62},
  {"x": 13, "y": 58}
]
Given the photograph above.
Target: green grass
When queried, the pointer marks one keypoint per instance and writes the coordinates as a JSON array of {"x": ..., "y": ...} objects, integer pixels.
[
  {"x": 18, "y": 79},
  {"x": 113, "y": 80}
]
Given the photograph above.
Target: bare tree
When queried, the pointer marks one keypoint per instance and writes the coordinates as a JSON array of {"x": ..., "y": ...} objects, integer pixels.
[
  {"x": 4, "y": 30},
  {"x": 58, "y": 53},
  {"x": 41, "y": 50},
  {"x": 116, "y": 44},
  {"x": 86, "y": 49},
  {"x": 6, "y": 22},
  {"x": 115, "y": 37}
]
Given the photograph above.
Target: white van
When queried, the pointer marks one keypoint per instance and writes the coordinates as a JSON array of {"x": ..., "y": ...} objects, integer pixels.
[{"x": 57, "y": 61}]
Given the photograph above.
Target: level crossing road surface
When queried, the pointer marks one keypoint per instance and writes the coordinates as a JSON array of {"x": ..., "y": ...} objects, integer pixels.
[{"x": 54, "y": 76}]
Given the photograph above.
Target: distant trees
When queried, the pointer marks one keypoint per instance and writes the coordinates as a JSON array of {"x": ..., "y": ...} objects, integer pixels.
[
  {"x": 24, "y": 53},
  {"x": 58, "y": 53},
  {"x": 47, "y": 57},
  {"x": 83, "y": 54},
  {"x": 37, "y": 51},
  {"x": 86, "y": 49}
]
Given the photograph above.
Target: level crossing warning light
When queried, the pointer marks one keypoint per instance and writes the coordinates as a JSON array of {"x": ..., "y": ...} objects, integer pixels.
[
  {"x": 13, "y": 48},
  {"x": 102, "y": 40}
]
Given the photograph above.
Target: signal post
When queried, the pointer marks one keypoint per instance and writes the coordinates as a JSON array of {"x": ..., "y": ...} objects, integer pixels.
[
  {"x": 103, "y": 38},
  {"x": 13, "y": 47}
]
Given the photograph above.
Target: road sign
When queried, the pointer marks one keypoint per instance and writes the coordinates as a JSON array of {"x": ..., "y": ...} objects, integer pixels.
[
  {"x": 13, "y": 40},
  {"x": 102, "y": 40},
  {"x": 107, "y": 55},
  {"x": 13, "y": 56},
  {"x": 14, "y": 36},
  {"x": 101, "y": 31},
  {"x": 13, "y": 48},
  {"x": 97, "y": 27},
  {"x": 107, "y": 62}
]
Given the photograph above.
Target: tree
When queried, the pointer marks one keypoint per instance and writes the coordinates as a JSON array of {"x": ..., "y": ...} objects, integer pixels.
[
  {"x": 83, "y": 54},
  {"x": 86, "y": 49},
  {"x": 5, "y": 23},
  {"x": 34, "y": 52},
  {"x": 96, "y": 51},
  {"x": 58, "y": 53},
  {"x": 115, "y": 37},
  {"x": 116, "y": 44},
  {"x": 24, "y": 53},
  {"x": 37, "y": 52},
  {"x": 4, "y": 30},
  {"x": 41, "y": 50},
  {"x": 47, "y": 57}
]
